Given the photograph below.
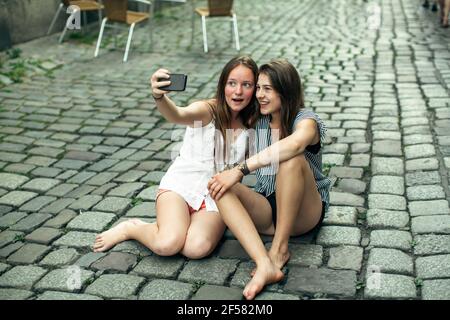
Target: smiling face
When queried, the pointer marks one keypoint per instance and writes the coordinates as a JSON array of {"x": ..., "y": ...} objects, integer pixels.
[
  {"x": 269, "y": 99},
  {"x": 239, "y": 88}
]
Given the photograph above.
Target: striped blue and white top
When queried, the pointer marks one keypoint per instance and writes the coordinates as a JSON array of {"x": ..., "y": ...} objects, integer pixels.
[{"x": 266, "y": 176}]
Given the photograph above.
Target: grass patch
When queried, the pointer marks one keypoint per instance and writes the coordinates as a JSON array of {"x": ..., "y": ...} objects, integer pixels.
[
  {"x": 19, "y": 238},
  {"x": 197, "y": 285},
  {"x": 362, "y": 215},
  {"x": 83, "y": 38},
  {"x": 359, "y": 285},
  {"x": 326, "y": 167},
  {"x": 17, "y": 71},
  {"x": 136, "y": 201},
  {"x": 14, "y": 53},
  {"x": 418, "y": 282}
]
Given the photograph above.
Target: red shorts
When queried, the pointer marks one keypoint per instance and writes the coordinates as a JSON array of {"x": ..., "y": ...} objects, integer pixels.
[{"x": 191, "y": 210}]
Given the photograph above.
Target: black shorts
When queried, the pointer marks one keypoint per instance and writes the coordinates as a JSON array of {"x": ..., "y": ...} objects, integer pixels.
[{"x": 273, "y": 204}]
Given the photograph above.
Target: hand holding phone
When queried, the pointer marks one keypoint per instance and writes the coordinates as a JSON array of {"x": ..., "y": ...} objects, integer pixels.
[{"x": 177, "y": 82}]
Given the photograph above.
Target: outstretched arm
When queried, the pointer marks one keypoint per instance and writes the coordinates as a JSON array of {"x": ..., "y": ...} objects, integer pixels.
[
  {"x": 306, "y": 133},
  {"x": 197, "y": 111}
]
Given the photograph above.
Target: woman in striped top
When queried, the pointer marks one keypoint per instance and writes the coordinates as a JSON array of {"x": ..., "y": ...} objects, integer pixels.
[{"x": 291, "y": 194}]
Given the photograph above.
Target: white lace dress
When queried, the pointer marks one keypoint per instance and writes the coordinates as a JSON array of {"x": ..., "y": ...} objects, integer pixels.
[{"x": 194, "y": 166}]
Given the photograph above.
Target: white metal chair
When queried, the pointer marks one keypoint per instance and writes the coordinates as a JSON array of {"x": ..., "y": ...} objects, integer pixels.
[
  {"x": 117, "y": 11},
  {"x": 83, "y": 5},
  {"x": 217, "y": 8}
]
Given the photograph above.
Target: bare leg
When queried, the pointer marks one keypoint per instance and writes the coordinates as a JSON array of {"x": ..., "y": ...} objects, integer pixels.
[
  {"x": 165, "y": 237},
  {"x": 117, "y": 234},
  {"x": 446, "y": 9},
  {"x": 243, "y": 228},
  {"x": 299, "y": 206},
  {"x": 204, "y": 233}
]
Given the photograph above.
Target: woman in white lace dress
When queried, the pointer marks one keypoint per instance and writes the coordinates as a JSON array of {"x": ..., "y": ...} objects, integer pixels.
[{"x": 187, "y": 218}]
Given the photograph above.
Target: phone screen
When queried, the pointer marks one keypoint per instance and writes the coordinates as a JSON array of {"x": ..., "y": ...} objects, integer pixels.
[{"x": 178, "y": 82}]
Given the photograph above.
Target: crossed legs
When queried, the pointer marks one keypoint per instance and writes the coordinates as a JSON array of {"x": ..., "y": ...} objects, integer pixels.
[
  {"x": 174, "y": 231},
  {"x": 247, "y": 213}
]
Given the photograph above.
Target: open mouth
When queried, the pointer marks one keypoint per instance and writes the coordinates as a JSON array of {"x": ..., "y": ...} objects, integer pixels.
[{"x": 237, "y": 100}]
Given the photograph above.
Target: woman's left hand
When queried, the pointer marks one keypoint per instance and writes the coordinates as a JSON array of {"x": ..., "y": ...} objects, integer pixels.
[{"x": 223, "y": 181}]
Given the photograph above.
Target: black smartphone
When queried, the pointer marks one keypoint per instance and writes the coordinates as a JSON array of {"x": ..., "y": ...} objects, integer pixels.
[{"x": 177, "y": 82}]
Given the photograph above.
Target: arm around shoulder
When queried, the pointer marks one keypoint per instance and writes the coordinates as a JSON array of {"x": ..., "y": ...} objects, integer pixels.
[{"x": 306, "y": 133}]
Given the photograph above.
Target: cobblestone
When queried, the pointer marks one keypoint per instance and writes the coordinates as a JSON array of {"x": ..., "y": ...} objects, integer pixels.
[
  {"x": 22, "y": 277},
  {"x": 390, "y": 286},
  {"x": 379, "y": 218},
  {"x": 431, "y": 244},
  {"x": 59, "y": 280},
  {"x": 436, "y": 289},
  {"x": 162, "y": 289},
  {"x": 424, "y": 208},
  {"x": 431, "y": 224},
  {"x": 335, "y": 282},
  {"x": 391, "y": 260},
  {"x": 118, "y": 286},
  {"x": 391, "y": 239},
  {"x": 433, "y": 266},
  {"x": 381, "y": 90},
  {"x": 212, "y": 270}
]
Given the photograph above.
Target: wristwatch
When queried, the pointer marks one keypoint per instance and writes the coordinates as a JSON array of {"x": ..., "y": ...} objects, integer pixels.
[{"x": 243, "y": 168}]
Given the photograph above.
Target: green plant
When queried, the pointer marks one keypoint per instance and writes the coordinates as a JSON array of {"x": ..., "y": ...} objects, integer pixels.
[
  {"x": 326, "y": 167},
  {"x": 359, "y": 285},
  {"x": 198, "y": 284},
  {"x": 418, "y": 282},
  {"x": 14, "y": 53},
  {"x": 367, "y": 171},
  {"x": 19, "y": 238},
  {"x": 362, "y": 215},
  {"x": 320, "y": 295},
  {"x": 136, "y": 201},
  {"x": 17, "y": 71},
  {"x": 413, "y": 243},
  {"x": 88, "y": 281},
  {"x": 83, "y": 38}
]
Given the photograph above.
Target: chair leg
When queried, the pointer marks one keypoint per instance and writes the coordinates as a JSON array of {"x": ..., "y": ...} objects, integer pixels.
[
  {"x": 100, "y": 36},
  {"x": 232, "y": 30},
  {"x": 66, "y": 26},
  {"x": 99, "y": 16},
  {"x": 85, "y": 22},
  {"x": 205, "y": 38},
  {"x": 130, "y": 35},
  {"x": 61, "y": 5},
  {"x": 192, "y": 26},
  {"x": 151, "y": 23},
  {"x": 236, "y": 34}
]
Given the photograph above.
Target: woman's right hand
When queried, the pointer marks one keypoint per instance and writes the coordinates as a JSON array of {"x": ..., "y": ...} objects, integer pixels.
[{"x": 156, "y": 81}]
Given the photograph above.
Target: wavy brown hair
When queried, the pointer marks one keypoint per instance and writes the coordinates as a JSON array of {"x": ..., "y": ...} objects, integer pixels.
[
  {"x": 286, "y": 82},
  {"x": 221, "y": 112}
]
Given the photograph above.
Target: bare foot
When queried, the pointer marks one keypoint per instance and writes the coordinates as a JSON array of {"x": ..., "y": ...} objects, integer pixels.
[
  {"x": 279, "y": 260},
  {"x": 264, "y": 275},
  {"x": 111, "y": 237}
]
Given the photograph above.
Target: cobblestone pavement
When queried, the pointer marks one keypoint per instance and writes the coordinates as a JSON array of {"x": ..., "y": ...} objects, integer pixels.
[{"x": 86, "y": 148}]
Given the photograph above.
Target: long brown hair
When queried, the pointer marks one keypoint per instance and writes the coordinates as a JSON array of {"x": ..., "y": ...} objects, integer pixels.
[
  {"x": 286, "y": 82},
  {"x": 221, "y": 112}
]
